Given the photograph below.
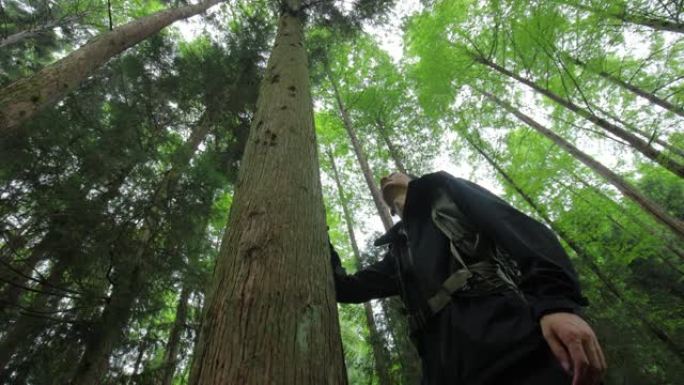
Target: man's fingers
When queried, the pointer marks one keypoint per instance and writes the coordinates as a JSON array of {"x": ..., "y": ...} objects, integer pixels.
[
  {"x": 580, "y": 362},
  {"x": 594, "y": 369},
  {"x": 604, "y": 364},
  {"x": 560, "y": 352}
]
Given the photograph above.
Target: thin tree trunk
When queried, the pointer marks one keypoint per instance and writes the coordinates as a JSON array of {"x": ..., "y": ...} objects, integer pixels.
[
  {"x": 650, "y": 137},
  {"x": 634, "y": 89},
  {"x": 271, "y": 315},
  {"x": 382, "y": 359},
  {"x": 657, "y": 24},
  {"x": 587, "y": 258},
  {"x": 636, "y": 142},
  {"x": 108, "y": 330},
  {"x": 625, "y": 187},
  {"x": 383, "y": 210},
  {"x": 22, "y": 99},
  {"x": 142, "y": 347},
  {"x": 411, "y": 363},
  {"x": 393, "y": 150},
  {"x": 171, "y": 351},
  {"x": 646, "y": 227}
]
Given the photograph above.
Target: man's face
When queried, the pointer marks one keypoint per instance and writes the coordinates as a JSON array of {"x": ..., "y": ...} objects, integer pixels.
[{"x": 392, "y": 185}]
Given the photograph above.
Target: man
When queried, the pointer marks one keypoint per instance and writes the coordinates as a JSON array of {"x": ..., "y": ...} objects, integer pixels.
[{"x": 492, "y": 298}]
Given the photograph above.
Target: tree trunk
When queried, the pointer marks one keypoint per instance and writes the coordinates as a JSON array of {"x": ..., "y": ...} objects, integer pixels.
[
  {"x": 650, "y": 137},
  {"x": 393, "y": 150},
  {"x": 636, "y": 142},
  {"x": 382, "y": 359},
  {"x": 383, "y": 210},
  {"x": 171, "y": 351},
  {"x": 22, "y": 99},
  {"x": 657, "y": 24},
  {"x": 625, "y": 187},
  {"x": 586, "y": 258},
  {"x": 634, "y": 89},
  {"x": 646, "y": 227},
  {"x": 271, "y": 315},
  {"x": 32, "y": 321},
  {"x": 410, "y": 365},
  {"x": 108, "y": 330}
]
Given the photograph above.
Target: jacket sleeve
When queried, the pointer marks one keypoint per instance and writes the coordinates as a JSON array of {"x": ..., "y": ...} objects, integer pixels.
[
  {"x": 376, "y": 281},
  {"x": 548, "y": 280}
]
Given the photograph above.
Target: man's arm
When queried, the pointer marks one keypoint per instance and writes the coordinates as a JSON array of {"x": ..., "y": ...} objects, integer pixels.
[{"x": 376, "y": 281}]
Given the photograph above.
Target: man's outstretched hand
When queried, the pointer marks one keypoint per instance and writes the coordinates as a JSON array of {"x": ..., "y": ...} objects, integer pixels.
[{"x": 574, "y": 343}]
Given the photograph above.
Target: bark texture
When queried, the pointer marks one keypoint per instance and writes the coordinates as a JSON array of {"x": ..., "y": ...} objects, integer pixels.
[
  {"x": 625, "y": 187},
  {"x": 271, "y": 314},
  {"x": 637, "y": 143},
  {"x": 22, "y": 99},
  {"x": 587, "y": 259}
]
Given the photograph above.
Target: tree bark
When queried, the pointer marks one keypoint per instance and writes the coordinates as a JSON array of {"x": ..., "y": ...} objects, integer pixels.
[
  {"x": 586, "y": 258},
  {"x": 383, "y": 210},
  {"x": 271, "y": 315},
  {"x": 657, "y": 24},
  {"x": 636, "y": 142},
  {"x": 393, "y": 150},
  {"x": 625, "y": 187},
  {"x": 22, "y": 99},
  {"x": 382, "y": 359},
  {"x": 634, "y": 89},
  {"x": 171, "y": 351}
]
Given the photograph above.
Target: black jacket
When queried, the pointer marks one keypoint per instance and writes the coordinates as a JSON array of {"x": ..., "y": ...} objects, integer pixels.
[{"x": 482, "y": 339}]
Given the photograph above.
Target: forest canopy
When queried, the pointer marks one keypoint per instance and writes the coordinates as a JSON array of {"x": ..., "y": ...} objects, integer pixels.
[{"x": 171, "y": 173}]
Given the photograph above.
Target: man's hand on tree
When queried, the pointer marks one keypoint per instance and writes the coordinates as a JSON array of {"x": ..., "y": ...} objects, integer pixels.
[{"x": 575, "y": 345}]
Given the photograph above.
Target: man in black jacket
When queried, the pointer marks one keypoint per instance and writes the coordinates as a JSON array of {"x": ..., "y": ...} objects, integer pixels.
[{"x": 491, "y": 295}]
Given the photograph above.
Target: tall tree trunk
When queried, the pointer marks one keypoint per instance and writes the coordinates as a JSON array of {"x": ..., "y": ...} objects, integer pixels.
[
  {"x": 657, "y": 24},
  {"x": 108, "y": 330},
  {"x": 650, "y": 137},
  {"x": 636, "y": 142},
  {"x": 383, "y": 210},
  {"x": 411, "y": 364},
  {"x": 644, "y": 226},
  {"x": 271, "y": 315},
  {"x": 171, "y": 351},
  {"x": 382, "y": 359},
  {"x": 32, "y": 321},
  {"x": 651, "y": 97},
  {"x": 393, "y": 150},
  {"x": 625, "y": 187},
  {"x": 22, "y": 99},
  {"x": 586, "y": 258}
]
